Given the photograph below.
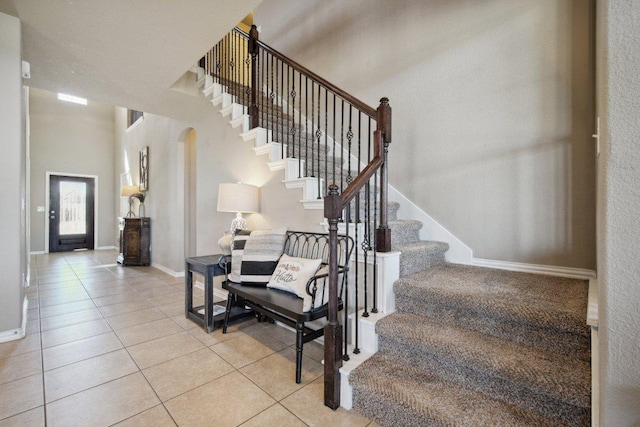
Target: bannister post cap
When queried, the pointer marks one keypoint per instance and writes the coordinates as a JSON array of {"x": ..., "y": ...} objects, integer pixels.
[{"x": 384, "y": 100}]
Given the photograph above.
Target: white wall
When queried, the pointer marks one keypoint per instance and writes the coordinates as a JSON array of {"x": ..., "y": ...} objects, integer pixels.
[
  {"x": 221, "y": 156},
  {"x": 74, "y": 139},
  {"x": 618, "y": 211},
  {"x": 13, "y": 261},
  {"x": 492, "y": 110}
]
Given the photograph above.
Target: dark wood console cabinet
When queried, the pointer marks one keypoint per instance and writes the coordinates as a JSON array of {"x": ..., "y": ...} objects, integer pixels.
[{"x": 135, "y": 241}]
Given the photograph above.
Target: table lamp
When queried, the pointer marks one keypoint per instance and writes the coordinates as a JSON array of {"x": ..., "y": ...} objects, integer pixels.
[
  {"x": 239, "y": 198},
  {"x": 129, "y": 191}
]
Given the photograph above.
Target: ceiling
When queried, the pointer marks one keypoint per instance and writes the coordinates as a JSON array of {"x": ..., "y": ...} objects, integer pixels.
[{"x": 122, "y": 52}]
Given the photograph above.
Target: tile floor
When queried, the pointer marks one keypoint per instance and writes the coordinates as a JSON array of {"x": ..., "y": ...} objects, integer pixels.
[{"x": 109, "y": 345}]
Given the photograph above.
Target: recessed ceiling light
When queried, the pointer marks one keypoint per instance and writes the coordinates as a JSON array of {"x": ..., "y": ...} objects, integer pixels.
[{"x": 71, "y": 98}]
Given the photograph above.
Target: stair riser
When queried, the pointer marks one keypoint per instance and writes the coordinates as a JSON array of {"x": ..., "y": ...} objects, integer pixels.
[
  {"x": 557, "y": 341},
  {"x": 401, "y": 235},
  {"x": 490, "y": 383},
  {"x": 411, "y": 263}
]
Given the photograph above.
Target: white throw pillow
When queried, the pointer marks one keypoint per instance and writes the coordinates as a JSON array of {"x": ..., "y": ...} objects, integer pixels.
[{"x": 292, "y": 275}]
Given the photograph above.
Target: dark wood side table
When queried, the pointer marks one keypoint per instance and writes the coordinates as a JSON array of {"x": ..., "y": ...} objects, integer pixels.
[
  {"x": 135, "y": 241},
  {"x": 209, "y": 267}
]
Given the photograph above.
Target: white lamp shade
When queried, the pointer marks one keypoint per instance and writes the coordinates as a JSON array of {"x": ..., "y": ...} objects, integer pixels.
[
  {"x": 129, "y": 190},
  {"x": 238, "y": 198}
]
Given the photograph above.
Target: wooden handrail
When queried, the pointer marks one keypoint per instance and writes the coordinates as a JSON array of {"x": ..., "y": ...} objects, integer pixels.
[
  {"x": 334, "y": 202},
  {"x": 368, "y": 110}
]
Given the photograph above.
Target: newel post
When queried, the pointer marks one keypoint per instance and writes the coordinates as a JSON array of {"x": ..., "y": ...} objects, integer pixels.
[
  {"x": 383, "y": 233},
  {"x": 333, "y": 329},
  {"x": 253, "y": 51}
]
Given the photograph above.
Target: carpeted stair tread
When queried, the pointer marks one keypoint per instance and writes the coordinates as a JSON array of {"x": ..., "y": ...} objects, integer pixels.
[
  {"x": 540, "y": 301},
  {"x": 427, "y": 400},
  {"x": 525, "y": 370}
]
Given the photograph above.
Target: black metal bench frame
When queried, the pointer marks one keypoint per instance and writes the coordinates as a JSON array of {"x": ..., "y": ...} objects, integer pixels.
[{"x": 286, "y": 307}]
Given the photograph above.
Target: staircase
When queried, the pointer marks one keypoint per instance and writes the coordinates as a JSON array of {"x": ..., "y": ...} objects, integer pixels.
[
  {"x": 471, "y": 346},
  {"x": 467, "y": 346}
]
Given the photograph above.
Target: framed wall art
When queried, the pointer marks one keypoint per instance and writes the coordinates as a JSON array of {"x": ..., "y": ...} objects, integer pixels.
[{"x": 144, "y": 169}]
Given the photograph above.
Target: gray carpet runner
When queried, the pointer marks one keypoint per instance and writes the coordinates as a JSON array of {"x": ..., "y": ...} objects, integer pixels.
[
  {"x": 467, "y": 346},
  {"x": 471, "y": 346}
]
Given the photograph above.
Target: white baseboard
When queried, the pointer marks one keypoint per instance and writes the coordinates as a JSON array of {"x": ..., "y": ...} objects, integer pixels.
[
  {"x": 551, "y": 270},
  {"x": 169, "y": 271},
  {"x": 38, "y": 252},
  {"x": 16, "y": 334},
  {"x": 105, "y": 248}
]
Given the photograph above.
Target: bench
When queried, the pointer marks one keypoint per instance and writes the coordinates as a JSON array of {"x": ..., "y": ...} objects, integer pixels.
[{"x": 287, "y": 307}]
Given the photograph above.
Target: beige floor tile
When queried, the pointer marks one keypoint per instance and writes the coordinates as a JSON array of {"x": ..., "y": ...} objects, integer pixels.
[
  {"x": 103, "y": 283},
  {"x": 33, "y": 327},
  {"x": 141, "y": 283},
  {"x": 32, "y": 418},
  {"x": 308, "y": 405},
  {"x": 33, "y": 314},
  {"x": 280, "y": 333},
  {"x": 133, "y": 318},
  {"x": 95, "y": 274},
  {"x": 174, "y": 309},
  {"x": 74, "y": 332},
  {"x": 48, "y": 279},
  {"x": 177, "y": 376},
  {"x": 105, "y": 404},
  {"x": 65, "y": 320},
  {"x": 314, "y": 350},
  {"x": 197, "y": 407},
  {"x": 156, "y": 417},
  {"x": 160, "y": 350},
  {"x": 68, "y": 290},
  {"x": 124, "y": 307},
  {"x": 71, "y": 307},
  {"x": 25, "y": 345},
  {"x": 174, "y": 280},
  {"x": 58, "y": 285},
  {"x": 79, "y": 376},
  {"x": 276, "y": 374},
  {"x": 111, "y": 290},
  {"x": 116, "y": 298},
  {"x": 23, "y": 365},
  {"x": 148, "y": 331},
  {"x": 276, "y": 415},
  {"x": 246, "y": 349},
  {"x": 186, "y": 324},
  {"x": 168, "y": 298},
  {"x": 20, "y": 396},
  {"x": 72, "y": 352},
  {"x": 64, "y": 299},
  {"x": 155, "y": 291},
  {"x": 212, "y": 338}
]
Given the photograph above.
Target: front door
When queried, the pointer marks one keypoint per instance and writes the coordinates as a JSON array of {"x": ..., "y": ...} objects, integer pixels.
[{"x": 71, "y": 203}]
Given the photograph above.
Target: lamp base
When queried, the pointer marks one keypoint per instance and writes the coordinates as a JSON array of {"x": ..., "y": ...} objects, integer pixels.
[
  {"x": 225, "y": 243},
  {"x": 238, "y": 223},
  {"x": 130, "y": 214}
]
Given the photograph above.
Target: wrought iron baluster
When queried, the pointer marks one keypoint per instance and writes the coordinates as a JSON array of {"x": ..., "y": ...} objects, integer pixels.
[
  {"x": 334, "y": 140},
  {"x": 326, "y": 142},
  {"x": 318, "y": 139},
  {"x": 292, "y": 149}
]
